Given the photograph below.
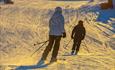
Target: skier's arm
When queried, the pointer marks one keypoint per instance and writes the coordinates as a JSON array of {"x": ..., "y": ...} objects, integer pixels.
[
  {"x": 84, "y": 33},
  {"x": 63, "y": 28},
  {"x": 50, "y": 21},
  {"x": 73, "y": 32}
]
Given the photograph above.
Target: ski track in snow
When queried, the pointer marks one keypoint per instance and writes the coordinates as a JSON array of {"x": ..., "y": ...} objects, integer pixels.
[{"x": 24, "y": 24}]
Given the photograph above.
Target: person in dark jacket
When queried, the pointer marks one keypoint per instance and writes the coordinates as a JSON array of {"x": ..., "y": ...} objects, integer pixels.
[
  {"x": 78, "y": 34},
  {"x": 56, "y": 32}
]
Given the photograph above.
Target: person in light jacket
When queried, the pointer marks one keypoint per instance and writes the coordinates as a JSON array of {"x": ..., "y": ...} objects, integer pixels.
[{"x": 56, "y": 32}]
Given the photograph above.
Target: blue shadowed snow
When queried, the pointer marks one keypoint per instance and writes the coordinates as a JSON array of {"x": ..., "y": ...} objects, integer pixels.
[
  {"x": 105, "y": 15},
  {"x": 40, "y": 64}
]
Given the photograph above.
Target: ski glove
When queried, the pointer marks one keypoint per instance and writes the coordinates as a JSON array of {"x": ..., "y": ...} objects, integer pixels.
[
  {"x": 64, "y": 35},
  {"x": 72, "y": 37}
]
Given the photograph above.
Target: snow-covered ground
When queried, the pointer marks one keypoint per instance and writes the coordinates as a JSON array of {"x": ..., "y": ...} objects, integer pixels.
[{"x": 26, "y": 22}]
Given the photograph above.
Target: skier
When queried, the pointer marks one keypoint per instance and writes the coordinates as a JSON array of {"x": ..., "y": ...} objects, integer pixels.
[
  {"x": 78, "y": 34},
  {"x": 56, "y": 31}
]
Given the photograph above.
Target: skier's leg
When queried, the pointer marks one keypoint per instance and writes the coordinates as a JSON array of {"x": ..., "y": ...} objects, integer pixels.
[
  {"x": 48, "y": 48},
  {"x": 78, "y": 47},
  {"x": 56, "y": 49},
  {"x": 73, "y": 48}
]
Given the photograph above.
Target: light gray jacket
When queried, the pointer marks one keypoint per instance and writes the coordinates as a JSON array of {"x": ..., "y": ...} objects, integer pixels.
[{"x": 56, "y": 24}]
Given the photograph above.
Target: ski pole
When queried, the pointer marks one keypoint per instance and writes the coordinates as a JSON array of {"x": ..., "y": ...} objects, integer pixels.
[
  {"x": 67, "y": 44},
  {"x": 86, "y": 46},
  {"x": 40, "y": 42},
  {"x": 39, "y": 48}
]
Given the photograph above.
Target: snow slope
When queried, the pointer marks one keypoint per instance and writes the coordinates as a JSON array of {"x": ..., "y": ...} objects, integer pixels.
[{"x": 26, "y": 22}]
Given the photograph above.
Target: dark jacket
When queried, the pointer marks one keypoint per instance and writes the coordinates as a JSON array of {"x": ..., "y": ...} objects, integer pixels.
[{"x": 78, "y": 32}]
